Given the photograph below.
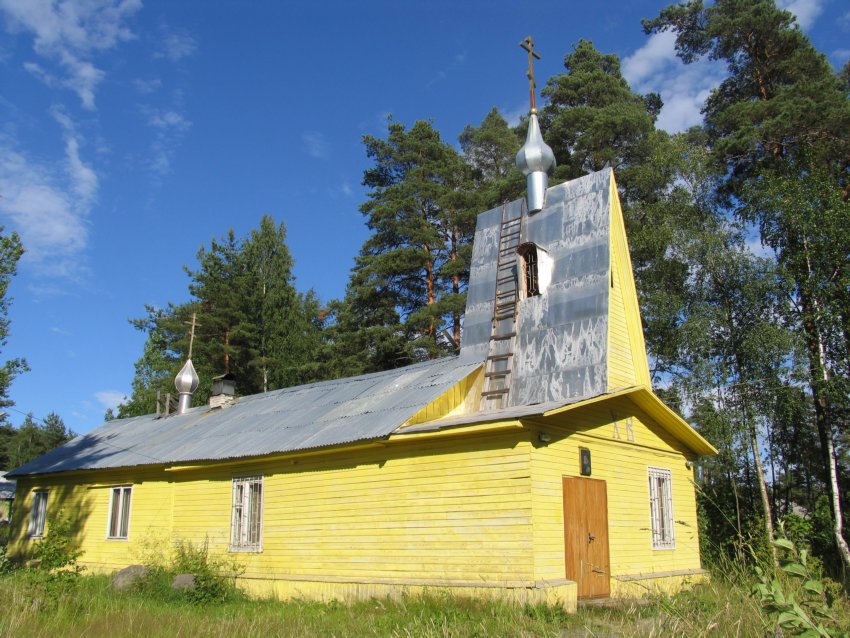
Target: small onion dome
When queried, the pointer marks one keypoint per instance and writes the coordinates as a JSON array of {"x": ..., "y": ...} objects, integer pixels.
[
  {"x": 187, "y": 379},
  {"x": 535, "y": 155},
  {"x": 535, "y": 159}
]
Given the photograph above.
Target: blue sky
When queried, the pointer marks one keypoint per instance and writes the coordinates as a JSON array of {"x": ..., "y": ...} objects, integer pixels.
[{"x": 134, "y": 131}]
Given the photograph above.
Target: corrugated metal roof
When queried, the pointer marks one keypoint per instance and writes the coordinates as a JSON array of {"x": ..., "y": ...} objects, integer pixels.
[
  {"x": 310, "y": 416},
  {"x": 7, "y": 490}
]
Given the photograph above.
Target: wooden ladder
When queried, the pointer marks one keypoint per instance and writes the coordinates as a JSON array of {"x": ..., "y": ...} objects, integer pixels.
[{"x": 499, "y": 363}]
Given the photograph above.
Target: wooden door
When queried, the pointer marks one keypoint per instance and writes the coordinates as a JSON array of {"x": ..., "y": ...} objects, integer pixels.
[{"x": 586, "y": 535}]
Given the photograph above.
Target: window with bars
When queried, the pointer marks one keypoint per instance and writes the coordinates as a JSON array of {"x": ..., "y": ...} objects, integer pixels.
[
  {"x": 119, "y": 512},
  {"x": 246, "y": 526},
  {"x": 661, "y": 508},
  {"x": 528, "y": 253},
  {"x": 38, "y": 514}
]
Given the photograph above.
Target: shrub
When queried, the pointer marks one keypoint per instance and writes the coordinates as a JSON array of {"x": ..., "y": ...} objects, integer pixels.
[
  {"x": 214, "y": 575},
  {"x": 56, "y": 551},
  {"x": 795, "y": 596},
  {"x": 6, "y": 565}
]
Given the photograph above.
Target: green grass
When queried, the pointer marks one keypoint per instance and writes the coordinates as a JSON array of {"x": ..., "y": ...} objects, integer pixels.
[{"x": 34, "y": 607}]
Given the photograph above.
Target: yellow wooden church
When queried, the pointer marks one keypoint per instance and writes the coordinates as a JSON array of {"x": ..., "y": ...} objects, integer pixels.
[{"x": 537, "y": 465}]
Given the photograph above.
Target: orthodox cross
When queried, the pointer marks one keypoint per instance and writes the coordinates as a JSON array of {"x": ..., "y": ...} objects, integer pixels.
[
  {"x": 528, "y": 45},
  {"x": 194, "y": 324}
]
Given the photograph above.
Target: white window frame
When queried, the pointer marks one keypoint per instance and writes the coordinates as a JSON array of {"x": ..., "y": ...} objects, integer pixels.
[
  {"x": 118, "y": 521},
  {"x": 661, "y": 508},
  {"x": 246, "y": 519},
  {"x": 38, "y": 514}
]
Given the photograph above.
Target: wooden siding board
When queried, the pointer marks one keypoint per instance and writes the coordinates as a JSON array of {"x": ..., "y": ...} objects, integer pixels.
[
  {"x": 457, "y": 510},
  {"x": 623, "y": 465},
  {"x": 627, "y": 362}
]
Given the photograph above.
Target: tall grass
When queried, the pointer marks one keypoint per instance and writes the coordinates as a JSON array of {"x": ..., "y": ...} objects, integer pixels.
[
  {"x": 38, "y": 603},
  {"x": 89, "y": 607}
]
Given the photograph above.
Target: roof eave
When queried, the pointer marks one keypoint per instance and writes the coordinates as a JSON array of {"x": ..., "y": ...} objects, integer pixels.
[{"x": 649, "y": 402}]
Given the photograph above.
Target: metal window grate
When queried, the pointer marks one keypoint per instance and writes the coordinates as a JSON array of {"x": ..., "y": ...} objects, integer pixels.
[
  {"x": 246, "y": 527},
  {"x": 661, "y": 508},
  {"x": 529, "y": 264}
]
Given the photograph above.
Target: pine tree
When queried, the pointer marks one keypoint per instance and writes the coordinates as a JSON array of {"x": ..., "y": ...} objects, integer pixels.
[
  {"x": 249, "y": 319},
  {"x": 161, "y": 359},
  {"x": 30, "y": 440},
  {"x": 286, "y": 333},
  {"x": 490, "y": 149},
  {"x": 778, "y": 124},
  {"x": 226, "y": 336},
  {"x": 10, "y": 252},
  {"x": 364, "y": 331},
  {"x": 593, "y": 119},
  {"x": 422, "y": 219}
]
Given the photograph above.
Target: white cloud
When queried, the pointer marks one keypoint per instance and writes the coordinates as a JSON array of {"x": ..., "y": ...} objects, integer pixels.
[
  {"x": 458, "y": 60},
  {"x": 315, "y": 144},
  {"x": 345, "y": 188},
  {"x": 169, "y": 127},
  {"x": 69, "y": 33},
  {"x": 48, "y": 203},
  {"x": 110, "y": 398},
  {"x": 40, "y": 73},
  {"x": 806, "y": 11},
  {"x": 840, "y": 56},
  {"x": 168, "y": 120},
  {"x": 176, "y": 44},
  {"x": 657, "y": 54},
  {"x": 39, "y": 201},
  {"x": 514, "y": 116},
  {"x": 147, "y": 86},
  {"x": 683, "y": 88}
]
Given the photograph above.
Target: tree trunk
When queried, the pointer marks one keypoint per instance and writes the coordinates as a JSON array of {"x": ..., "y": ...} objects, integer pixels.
[
  {"x": 431, "y": 291},
  {"x": 737, "y": 516},
  {"x": 819, "y": 375},
  {"x": 226, "y": 351},
  {"x": 765, "y": 498},
  {"x": 456, "y": 290}
]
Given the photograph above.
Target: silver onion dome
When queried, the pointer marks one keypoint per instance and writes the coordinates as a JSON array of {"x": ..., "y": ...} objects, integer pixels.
[
  {"x": 186, "y": 383},
  {"x": 535, "y": 159}
]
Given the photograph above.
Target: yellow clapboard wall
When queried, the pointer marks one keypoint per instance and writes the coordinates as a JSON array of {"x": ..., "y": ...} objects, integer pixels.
[
  {"x": 623, "y": 442},
  {"x": 440, "y": 511},
  {"x": 83, "y": 497},
  {"x": 627, "y": 363},
  {"x": 483, "y": 510}
]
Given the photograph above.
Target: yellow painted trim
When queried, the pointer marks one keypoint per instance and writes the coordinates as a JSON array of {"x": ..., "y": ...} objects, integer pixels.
[
  {"x": 461, "y": 430},
  {"x": 590, "y": 401},
  {"x": 400, "y": 437},
  {"x": 85, "y": 472},
  {"x": 461, "y": 398},
  {"x": 645, "y": 399},
  {"x": 295, "y": 454},
  {"x": 620, "y": 252}
]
